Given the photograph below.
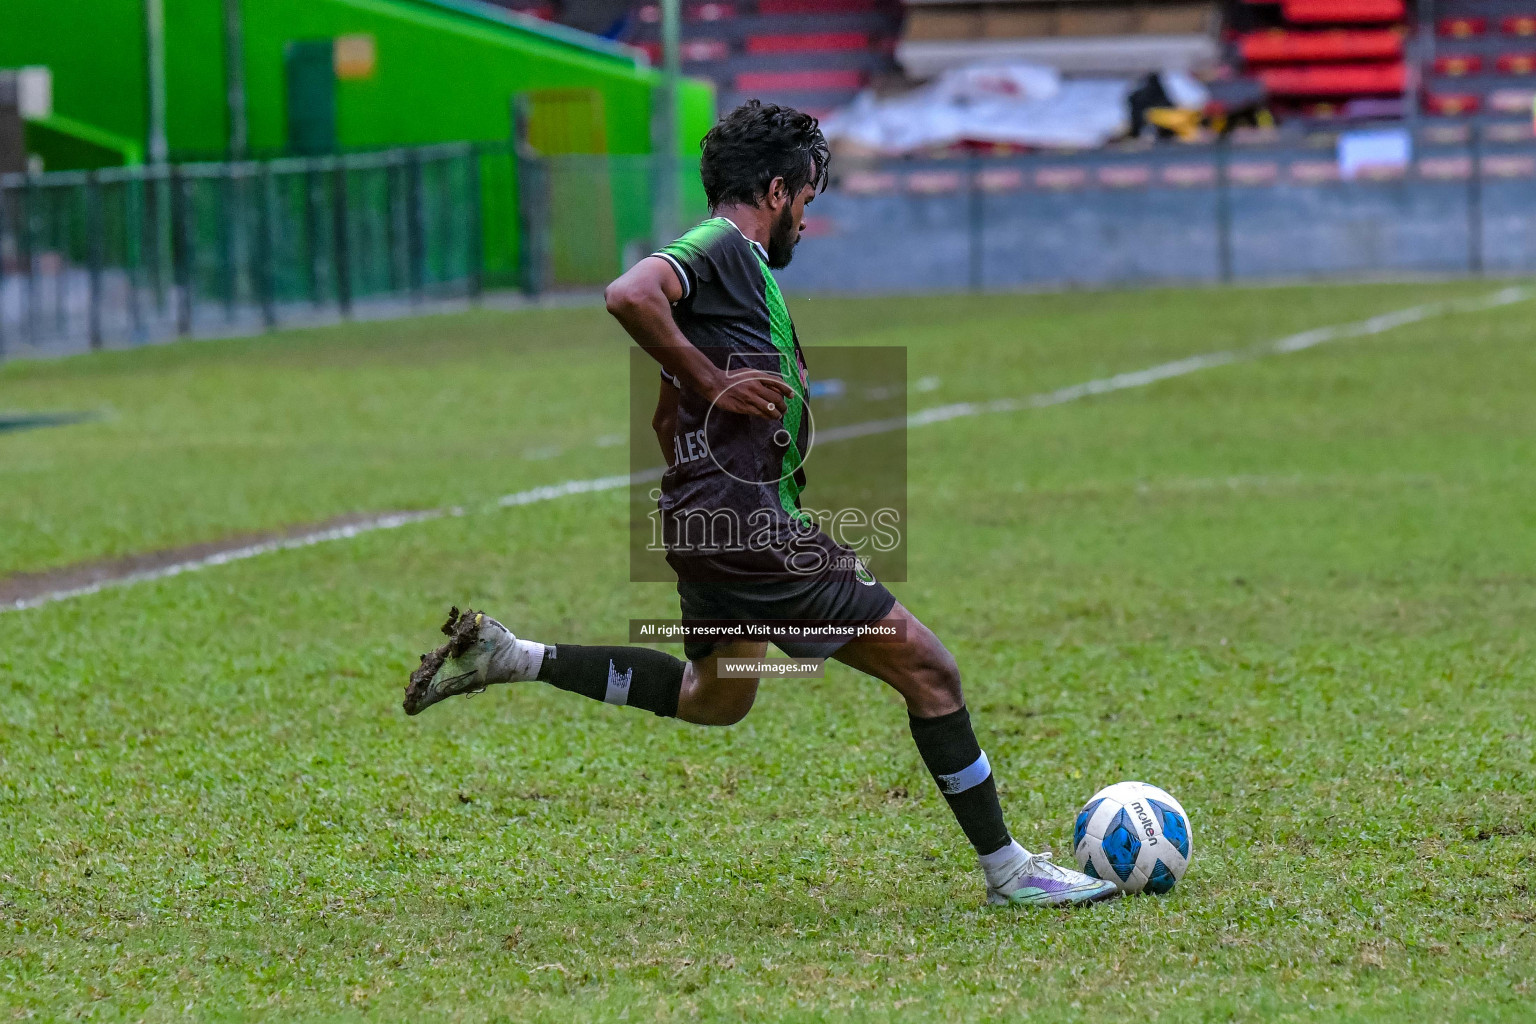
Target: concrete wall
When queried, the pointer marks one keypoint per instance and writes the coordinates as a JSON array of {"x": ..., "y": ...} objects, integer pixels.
[{"x": 914, "y": 228}]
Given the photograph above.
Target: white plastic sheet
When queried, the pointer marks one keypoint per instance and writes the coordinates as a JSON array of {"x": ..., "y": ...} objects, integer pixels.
[
  {"x": 1389, "y": 149},
  {"x": 1018, "y": 103}
]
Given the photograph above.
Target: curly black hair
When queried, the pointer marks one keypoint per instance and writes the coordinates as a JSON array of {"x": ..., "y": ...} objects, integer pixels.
[{"x": 757, "y": 142}]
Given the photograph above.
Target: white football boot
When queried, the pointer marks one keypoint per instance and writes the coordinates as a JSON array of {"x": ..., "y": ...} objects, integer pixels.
[
  {"x": 1033, "y": 879},
  {"x": 480, "y": 651}
]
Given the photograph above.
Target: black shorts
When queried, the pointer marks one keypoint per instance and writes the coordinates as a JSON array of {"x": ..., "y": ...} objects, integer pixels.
[{"x": 817, "y": 599}]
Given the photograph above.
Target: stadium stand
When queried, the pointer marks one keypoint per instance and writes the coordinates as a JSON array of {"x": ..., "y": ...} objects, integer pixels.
[
  {"x": 1321, "y": 56},
  {"x": 1074, "y": 36},
  {"x": 544, "y": 10},
  {"x": 814, "y": 54},
  {"x": 1485, "y": 58}
]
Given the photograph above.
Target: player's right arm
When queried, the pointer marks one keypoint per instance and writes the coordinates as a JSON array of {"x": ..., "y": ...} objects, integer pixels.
[
  {"x": 642, "y": 300},
  {"x": 664, "y": 420}
]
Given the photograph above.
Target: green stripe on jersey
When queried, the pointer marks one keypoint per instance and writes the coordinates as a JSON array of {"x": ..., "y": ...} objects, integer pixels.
[
  {"x": 783, "y": 333},
  {"x": 698, "y": 238}
]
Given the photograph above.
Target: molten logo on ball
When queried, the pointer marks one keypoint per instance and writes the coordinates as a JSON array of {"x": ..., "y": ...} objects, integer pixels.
[{"x": 1135, "y": 835}]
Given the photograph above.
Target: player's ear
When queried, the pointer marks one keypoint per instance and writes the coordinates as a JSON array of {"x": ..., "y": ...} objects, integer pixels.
[{"x": 778, "y": 193}]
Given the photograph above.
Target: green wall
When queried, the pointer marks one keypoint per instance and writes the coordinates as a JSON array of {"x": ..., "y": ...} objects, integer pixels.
[
  {"x": 444, "y": 74},
  {"x": 96, "y": 51},
  {"x": 63, "y": 142}
]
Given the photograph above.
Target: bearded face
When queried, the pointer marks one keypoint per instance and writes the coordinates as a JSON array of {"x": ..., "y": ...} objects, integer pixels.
[{"x": 783, "y": 238}]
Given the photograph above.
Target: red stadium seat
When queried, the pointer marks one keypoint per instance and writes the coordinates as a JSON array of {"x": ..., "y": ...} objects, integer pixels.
[
  {"x": 1334, "y": 80},
  {"x": 1301, "y": 12},
  {"x": 1511, "y": 101},
  {"x": 1452, "y": 104},
  {"x": 815, "y": 6},
  {"x": 1462, "y": 28},
  {"x": 819, "y": 41},
  {"x": 1456, "y": 65},
  {"x": 1519, "y": 25},
  {"x": 695, "y": 50},
  {"x": 1280, "y": 46},
  {"x": 698, "y": 50},
  {"x": 1517, "y": 64},
  {"x": 709, "y": 12},
  {"x": 770, "y": 81},
  {"x": 1320, "y": 111}
]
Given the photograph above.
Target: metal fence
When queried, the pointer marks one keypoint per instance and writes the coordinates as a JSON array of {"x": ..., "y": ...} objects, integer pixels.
[
  {"x": 1466, "y": 203},
  {"x": 125, "y": 256},
  {"x": 130, "y": 255},
  {"x": 589, "y": 217}
]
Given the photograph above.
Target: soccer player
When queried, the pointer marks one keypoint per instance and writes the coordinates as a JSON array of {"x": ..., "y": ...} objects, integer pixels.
[{"x": 733, "y": 425}]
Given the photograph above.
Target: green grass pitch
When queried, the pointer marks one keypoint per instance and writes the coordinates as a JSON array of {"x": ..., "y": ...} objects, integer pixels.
[{"x": 1299, "y": 593}]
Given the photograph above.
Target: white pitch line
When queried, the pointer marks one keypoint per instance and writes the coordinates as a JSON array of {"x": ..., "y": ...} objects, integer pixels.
[
  {"x": 1182, "y": 367},
  {"x": 371, "y": 525},
  {"x": 926, "y": 417}
]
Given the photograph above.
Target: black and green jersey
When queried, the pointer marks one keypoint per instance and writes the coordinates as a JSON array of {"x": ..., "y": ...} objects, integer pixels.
[{"x": 730, "y": 502}]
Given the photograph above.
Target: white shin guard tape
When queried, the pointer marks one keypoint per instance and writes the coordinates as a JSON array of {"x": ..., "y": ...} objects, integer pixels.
[
  {"x": 973, "y": 774},
  {"x": 618, "y": 685},
  {"x": 533, "y": 656}
]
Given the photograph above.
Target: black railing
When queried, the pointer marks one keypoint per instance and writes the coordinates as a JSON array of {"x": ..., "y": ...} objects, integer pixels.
[{"x": 131, "y": 255}]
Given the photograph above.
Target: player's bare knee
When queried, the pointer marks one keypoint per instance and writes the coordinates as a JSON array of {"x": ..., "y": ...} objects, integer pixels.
[
  {"x": 709, "y": 700},
  {"x": 728, "y": 708}
]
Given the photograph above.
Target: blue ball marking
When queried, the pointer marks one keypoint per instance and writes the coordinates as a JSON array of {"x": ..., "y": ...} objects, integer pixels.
[
  {"x": 1175, "y": 828},
  {"x": 1090, "y": 870},
  {"x": 1081, "y": 828},
  {"x": 1161, "y": 879},
  {"x": 1121, "y": 845}
]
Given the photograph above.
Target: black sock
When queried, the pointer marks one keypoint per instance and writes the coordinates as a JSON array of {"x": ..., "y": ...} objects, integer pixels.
[
  {"x": 636, "y": 676},
  {"x": 955, "y": 760}
]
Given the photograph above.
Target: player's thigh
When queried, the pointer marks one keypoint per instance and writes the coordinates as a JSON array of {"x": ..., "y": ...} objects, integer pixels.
[
  {"x": 708, "y": 697},
  {"x": 918, "y": 666}
]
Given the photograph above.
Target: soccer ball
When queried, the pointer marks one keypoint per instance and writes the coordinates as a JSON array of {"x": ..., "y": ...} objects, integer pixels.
[{"x": 1134, "y": 835}]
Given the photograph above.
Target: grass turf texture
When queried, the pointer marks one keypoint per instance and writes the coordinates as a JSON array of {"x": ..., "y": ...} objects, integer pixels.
[{"x": 1297, "y": 593}]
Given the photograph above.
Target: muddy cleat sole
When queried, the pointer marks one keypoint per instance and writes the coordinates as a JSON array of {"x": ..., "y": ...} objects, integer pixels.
[
  {"x": 480, "y": 651},
  {"x": 428, "y": 685}
]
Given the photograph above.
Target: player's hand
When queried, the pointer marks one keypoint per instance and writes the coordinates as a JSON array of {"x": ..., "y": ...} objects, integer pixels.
[{"x": 752, "y": 394}]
